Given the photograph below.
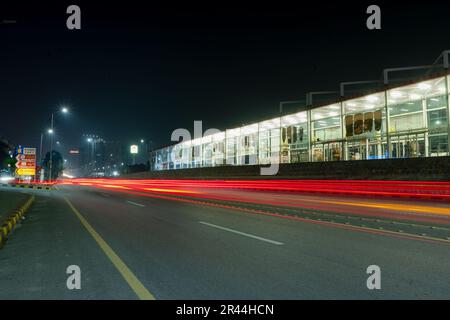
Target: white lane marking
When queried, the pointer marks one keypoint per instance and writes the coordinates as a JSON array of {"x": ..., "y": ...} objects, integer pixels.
[
  {"x": 136, "y": 204},
  {"x": 242, "y": 233}
]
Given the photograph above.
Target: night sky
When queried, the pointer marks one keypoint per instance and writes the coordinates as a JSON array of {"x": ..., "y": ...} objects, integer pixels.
[{"x": 140, "y": 71}]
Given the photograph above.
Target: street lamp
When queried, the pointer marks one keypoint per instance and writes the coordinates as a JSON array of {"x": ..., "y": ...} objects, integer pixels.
[{"x": 62, "y": 110}]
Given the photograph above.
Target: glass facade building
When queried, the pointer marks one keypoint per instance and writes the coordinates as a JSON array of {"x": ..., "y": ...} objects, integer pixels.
[{"x": 405, "y": 121}]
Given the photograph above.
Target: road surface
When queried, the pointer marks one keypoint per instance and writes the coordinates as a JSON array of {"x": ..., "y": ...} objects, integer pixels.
[{"x": 225, "y": 244}]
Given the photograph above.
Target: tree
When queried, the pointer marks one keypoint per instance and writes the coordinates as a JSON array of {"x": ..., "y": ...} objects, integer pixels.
[
  {"x": 4, "y": 153},
  {"x": 57, "y": 165}
]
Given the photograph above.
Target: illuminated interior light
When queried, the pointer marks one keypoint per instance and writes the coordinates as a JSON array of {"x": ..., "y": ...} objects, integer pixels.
[
  {"x": 415, "y": 96},
  {"x": 372, "y": 98},
  {"x": 396, "y": 94},
  {"x": 423, "y": 86}
]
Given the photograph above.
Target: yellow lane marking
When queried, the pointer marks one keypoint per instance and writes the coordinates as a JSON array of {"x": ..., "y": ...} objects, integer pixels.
[
  {"x": 391, "y": 206},
  {"x": 114, "y": 186},
  {"x": 126, "y": 273},
  {"x": 396, "y": 207}
]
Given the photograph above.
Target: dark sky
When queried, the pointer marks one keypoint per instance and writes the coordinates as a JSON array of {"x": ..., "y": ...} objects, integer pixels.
[{"x": 143, "y": 69}]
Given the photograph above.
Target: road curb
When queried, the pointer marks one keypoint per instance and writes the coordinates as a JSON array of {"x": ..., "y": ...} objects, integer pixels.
[
  {"x": 28, "y": 186},
  {"x": 10, "y": 223}
]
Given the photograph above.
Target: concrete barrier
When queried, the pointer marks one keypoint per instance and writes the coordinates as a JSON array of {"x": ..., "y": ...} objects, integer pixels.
[
  {"x": 433, "y": 169},
  {"x": 28, "y": 186},
  {"x": 10, "y": 223}
]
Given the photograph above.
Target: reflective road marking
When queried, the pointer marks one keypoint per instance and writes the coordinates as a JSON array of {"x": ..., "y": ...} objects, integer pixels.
[
  {"x": 126, "y": 273},
  {"x": 136, "y": 204},
  {"x": 242, "y": 233}
]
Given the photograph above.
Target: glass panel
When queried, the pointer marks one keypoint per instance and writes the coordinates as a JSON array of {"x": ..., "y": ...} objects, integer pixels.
[
  {"x": 368, "y": 121},
  {"x": 416, "y": 91},
  {"x": 358, "y": 123},
  {"x": 366, "y": 103},
  {"x": 437, "y": 119},
  {"x": 326, "y": 123},
  {"x": 438, "y": 145},
  {"x": 408, "y": 107},
  {"x": 437, "y": 102},
  {"x": 406, "y": 122},
  {"x": 349, "y": 125},
  {"x": 378, "y": 120}
]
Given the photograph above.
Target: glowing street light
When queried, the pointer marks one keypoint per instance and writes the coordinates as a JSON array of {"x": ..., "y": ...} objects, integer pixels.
[{"x": 61, "y": 110}]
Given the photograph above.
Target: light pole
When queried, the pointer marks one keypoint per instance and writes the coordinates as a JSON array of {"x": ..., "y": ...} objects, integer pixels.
[
  {"x": 40, "y": 147},
  {"x": 51, "y": 130},
  {"x": 145, "y": 151}
]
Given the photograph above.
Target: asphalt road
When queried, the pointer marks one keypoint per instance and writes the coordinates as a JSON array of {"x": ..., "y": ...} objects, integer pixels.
[{"x": 131, "y": 244}]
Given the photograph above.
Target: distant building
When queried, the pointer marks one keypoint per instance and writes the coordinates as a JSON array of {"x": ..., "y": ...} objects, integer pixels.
[{"x": 99, "y": 157}]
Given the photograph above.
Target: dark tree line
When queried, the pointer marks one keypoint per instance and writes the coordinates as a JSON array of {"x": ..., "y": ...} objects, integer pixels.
[
  {"x": 57, "y": 165},
  {"x": 5, "y": 159}
]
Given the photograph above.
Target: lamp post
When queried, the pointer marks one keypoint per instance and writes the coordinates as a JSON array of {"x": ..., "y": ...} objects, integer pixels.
[
  {"x": 40, "y": 147},
  {"x": 51, "y": 131}
]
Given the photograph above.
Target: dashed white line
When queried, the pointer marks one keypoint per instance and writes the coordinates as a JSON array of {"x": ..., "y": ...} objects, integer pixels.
[
  {"x": 242, "y": 233},
  {"x": 136, "y": 204}
]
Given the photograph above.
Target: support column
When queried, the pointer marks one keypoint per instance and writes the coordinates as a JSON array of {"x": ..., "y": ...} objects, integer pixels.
[
  {"x": 343, "y": 132},
  {"x": 425, "y": 124},
  {"x": 309, "y": 129},
  {"x": 388, "y": 137},
  {"x": 448, "y": 110}
]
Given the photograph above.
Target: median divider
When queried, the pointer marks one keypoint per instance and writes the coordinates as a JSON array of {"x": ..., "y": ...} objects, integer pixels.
[
  {"x": 11, "y": 222},
  {"x": 28, "y": 186}
]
